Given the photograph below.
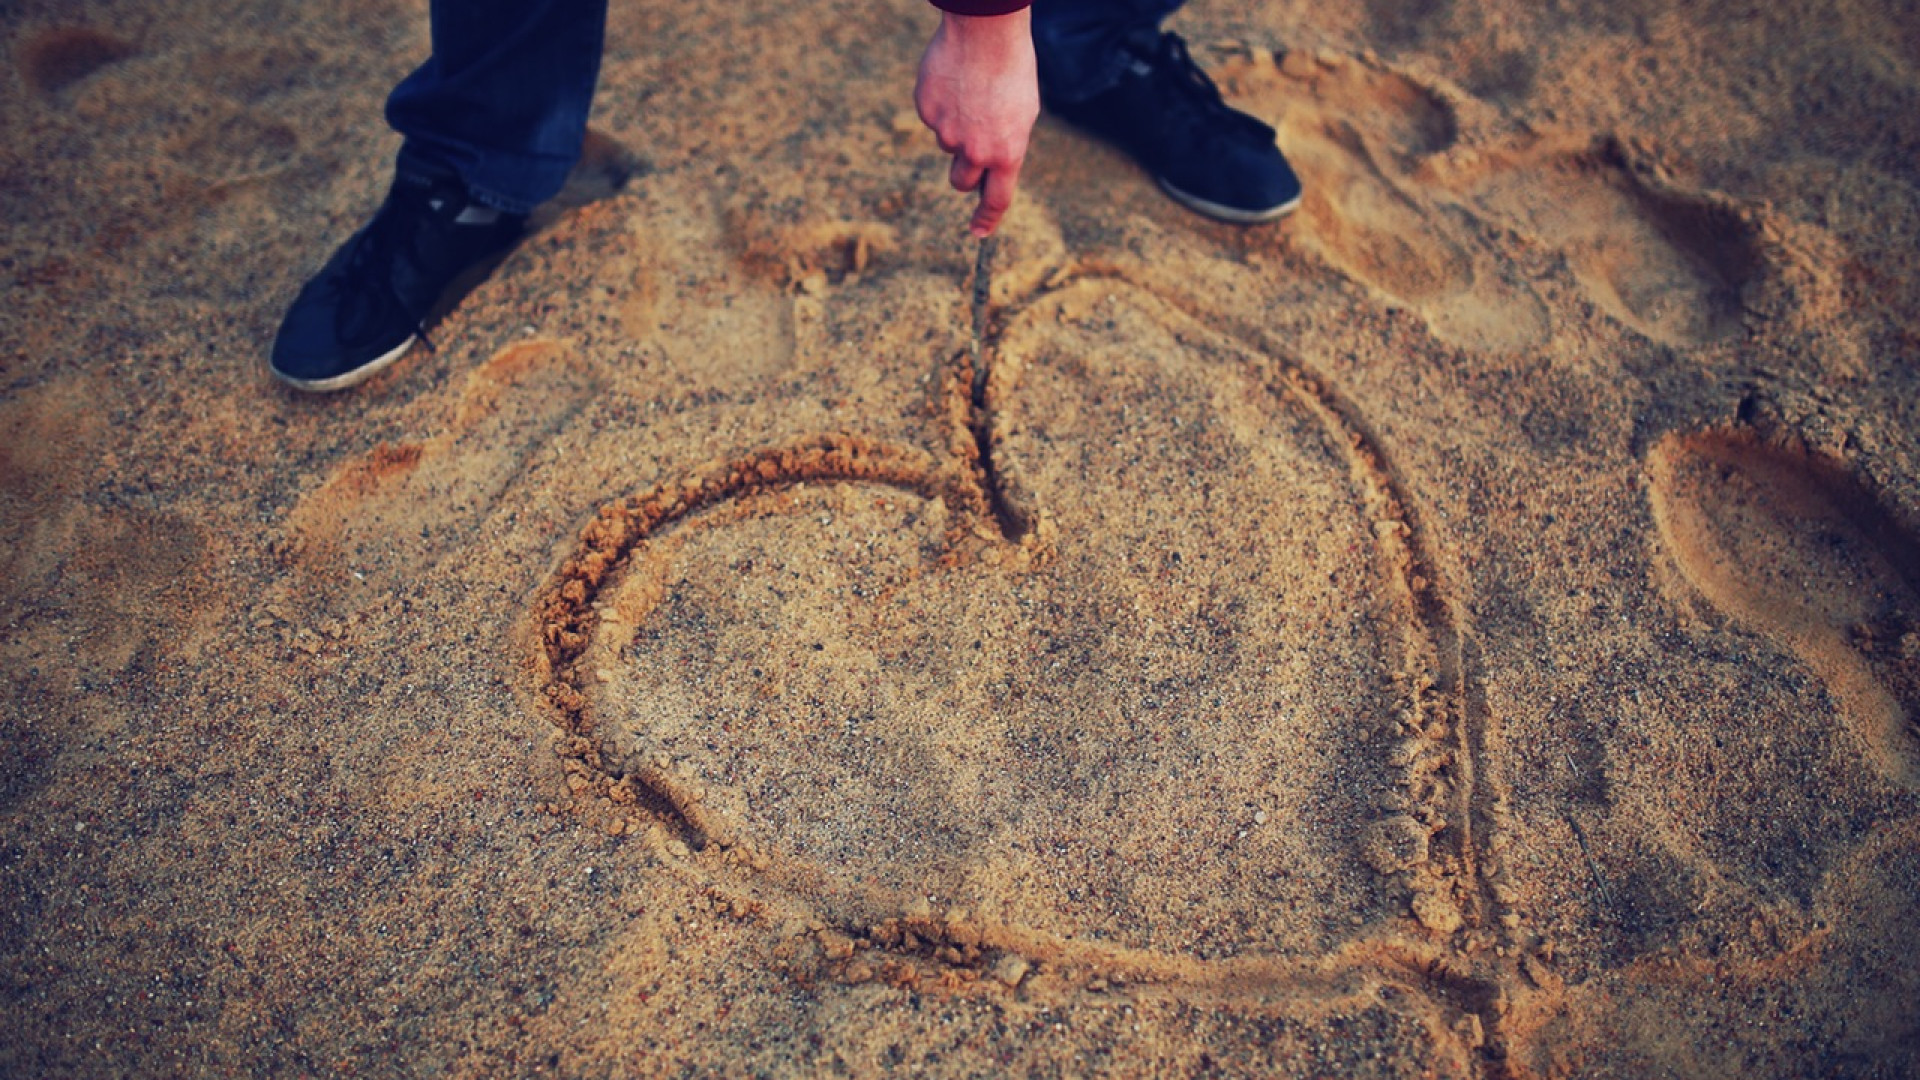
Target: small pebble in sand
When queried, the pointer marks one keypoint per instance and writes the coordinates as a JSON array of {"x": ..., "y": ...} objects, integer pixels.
[
  {"x": 1395, "y": 843},
  {"x": 1437, "y": 913},
  {"x": 1259, "y": 817},
  {"x": 1403, "y": 753},
  {"x": 1011, "y": 968}
]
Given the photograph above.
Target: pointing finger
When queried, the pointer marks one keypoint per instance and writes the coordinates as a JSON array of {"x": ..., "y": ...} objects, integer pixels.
[{"x": 996, "y": 196}]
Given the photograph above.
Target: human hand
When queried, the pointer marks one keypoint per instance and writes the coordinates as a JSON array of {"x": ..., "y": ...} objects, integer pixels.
[{"x": 979, "y": 93}]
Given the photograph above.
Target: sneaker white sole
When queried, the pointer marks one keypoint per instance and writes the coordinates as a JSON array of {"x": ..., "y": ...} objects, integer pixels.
[
  {"x": 350, "y": 378},
  {"x": 1229, "y": 213},
  {"x": 457, "y": 289}
]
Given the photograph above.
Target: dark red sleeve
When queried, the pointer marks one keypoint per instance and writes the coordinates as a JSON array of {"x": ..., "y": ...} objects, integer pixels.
[{"x": 981, "y": 7}]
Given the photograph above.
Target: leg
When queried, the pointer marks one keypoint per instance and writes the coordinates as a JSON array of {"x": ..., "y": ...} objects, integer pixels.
[
  {"x": 1080, "y": 44},
  {"x": 503, "y": 101},
  {"x": 493, "y": 121},
  {"x": 1106, "y": 66}
]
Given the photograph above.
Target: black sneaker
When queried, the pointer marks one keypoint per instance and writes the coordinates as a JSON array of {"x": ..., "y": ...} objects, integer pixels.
[
  {"x": 370, "y": 301},
  {"x": 1208, "y": 155}
]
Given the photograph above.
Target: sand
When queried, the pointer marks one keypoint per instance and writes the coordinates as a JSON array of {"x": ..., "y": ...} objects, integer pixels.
[{"x": 1469, "y": 629}]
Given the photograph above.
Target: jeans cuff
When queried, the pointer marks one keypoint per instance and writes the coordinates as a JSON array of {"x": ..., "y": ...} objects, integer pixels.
[{"x": 416, "y": 159}]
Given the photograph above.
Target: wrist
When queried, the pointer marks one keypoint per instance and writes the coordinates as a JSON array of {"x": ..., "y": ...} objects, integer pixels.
[{"x": 1014, "y": 26}]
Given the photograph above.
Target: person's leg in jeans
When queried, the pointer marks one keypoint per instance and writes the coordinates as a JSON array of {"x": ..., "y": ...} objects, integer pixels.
[
  {"x": 503, "y": 100},
  {"x": 1106, "y": 66},
  {"x": 493, "y": 122},
  {"x": 1082, "y": 45}
]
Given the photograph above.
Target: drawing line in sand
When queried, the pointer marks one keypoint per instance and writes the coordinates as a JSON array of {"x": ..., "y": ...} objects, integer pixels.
[{"x": 1445, "y": 877}]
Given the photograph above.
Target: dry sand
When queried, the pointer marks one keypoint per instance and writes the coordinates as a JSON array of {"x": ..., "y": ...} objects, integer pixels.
[{"x": 1469, "y": 629}]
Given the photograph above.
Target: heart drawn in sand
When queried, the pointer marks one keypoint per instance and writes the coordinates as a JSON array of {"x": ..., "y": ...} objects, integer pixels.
[{"x": 1207, "y": 719}]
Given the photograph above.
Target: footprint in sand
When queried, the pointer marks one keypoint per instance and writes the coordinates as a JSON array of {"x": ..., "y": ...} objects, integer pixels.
[
  {"x": 1110, "y": 738},
  {"x": 236, "y": 147},
  {"x": 1672, "y": 265},
  {"x": 256, "y": 73},
  {"x": 1392, "y": 202},
  {"x": 383, "y": 513},
  {"x": 56, "y": 59},
  {"x": 1357, "y": 133},
  {"x": 605, "y": 168},
  {"x": 1790, "y": 544},
  {"x": 129, "y": 579}
]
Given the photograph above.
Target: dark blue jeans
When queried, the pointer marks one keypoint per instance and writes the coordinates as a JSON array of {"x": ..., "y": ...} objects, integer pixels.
[
  {"x": 1079, "y": 42},
  {"x": 503, "y": 100}
]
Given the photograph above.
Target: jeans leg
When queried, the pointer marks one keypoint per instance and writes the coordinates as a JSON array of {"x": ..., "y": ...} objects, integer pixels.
[
  {"x": 503, "y": 100},
  {"x": 1078, "y": 42}
]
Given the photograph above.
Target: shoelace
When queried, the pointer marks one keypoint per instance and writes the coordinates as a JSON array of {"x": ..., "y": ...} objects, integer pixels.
[
  {"x": 366, "y": 289},
  {"x": 1175, "y": 66}
]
